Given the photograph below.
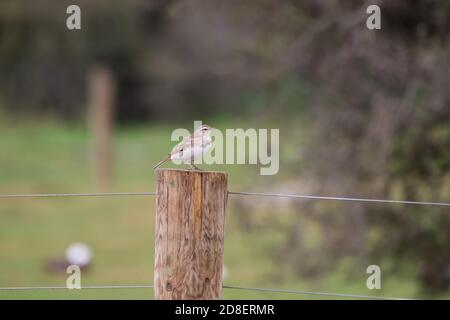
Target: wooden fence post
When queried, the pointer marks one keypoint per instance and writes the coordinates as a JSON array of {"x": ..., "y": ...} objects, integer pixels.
[
  {"x": 101, "y": 91},
  {"x": 190, "y": 216}
]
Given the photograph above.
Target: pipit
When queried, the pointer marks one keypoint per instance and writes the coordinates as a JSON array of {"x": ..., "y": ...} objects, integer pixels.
[{"x": 191, "y": 147}]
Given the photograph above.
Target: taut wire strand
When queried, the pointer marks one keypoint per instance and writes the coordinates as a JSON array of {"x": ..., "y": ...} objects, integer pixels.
[
  {"x": 303, "y": 292},
  {"x": 300, "y": 196}
]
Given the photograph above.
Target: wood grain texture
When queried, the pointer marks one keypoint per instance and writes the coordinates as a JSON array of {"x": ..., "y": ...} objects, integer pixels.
[{"x": 190, "y": 219}]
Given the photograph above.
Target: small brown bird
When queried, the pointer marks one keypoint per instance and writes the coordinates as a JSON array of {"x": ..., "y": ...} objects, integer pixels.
[{"x": 191, "y": 147}]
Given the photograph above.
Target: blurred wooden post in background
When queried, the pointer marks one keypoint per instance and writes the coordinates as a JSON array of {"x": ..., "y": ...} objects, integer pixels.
[
  {"x": 190, "y": 216},
  {"x": 101, "y": 92}
]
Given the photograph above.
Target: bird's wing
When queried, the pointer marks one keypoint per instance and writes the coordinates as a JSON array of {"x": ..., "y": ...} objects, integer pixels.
[
  {"x": 186, "y": 142},
  {"x": 189, "y": 142}
]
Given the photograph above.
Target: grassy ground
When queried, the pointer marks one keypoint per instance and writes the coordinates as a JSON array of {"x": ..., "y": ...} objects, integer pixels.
[{"x": 47, "y": 156}]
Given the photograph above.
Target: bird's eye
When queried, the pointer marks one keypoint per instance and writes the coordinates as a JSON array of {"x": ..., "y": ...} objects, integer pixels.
[{"x": 204, "y": 129}]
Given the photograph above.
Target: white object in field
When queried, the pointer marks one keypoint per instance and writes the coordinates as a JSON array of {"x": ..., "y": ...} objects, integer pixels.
[{"x": 78, "y": 254}]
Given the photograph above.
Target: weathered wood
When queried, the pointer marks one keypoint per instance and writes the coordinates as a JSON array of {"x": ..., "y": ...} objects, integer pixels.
[{"x": 189, "y": 236}]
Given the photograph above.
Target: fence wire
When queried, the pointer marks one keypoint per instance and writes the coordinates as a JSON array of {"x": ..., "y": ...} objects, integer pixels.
[
  {"x": 311, "y": 197},
  {"x": 239, "y": 193},
  {"x": 242, "y": 193},
  {"x": 316, "y": 293},
  {"x": 67, "y": 195},
  {"x": 83, "y": 287},
  {"x": 286, "y": 291}
]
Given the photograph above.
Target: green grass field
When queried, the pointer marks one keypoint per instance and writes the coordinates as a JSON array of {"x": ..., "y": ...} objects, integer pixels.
[{"x": 49, "y": 157}]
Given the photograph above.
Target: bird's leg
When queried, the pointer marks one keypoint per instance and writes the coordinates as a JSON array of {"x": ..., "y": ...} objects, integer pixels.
[{"x": 195, "y": 167}]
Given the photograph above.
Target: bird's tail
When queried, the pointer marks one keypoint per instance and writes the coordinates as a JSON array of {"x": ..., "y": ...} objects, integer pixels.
[{"x": 162, "y": 162}]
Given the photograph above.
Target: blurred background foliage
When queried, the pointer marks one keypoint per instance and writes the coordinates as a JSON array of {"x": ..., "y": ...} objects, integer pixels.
[{"x": 361, "y": 113}]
